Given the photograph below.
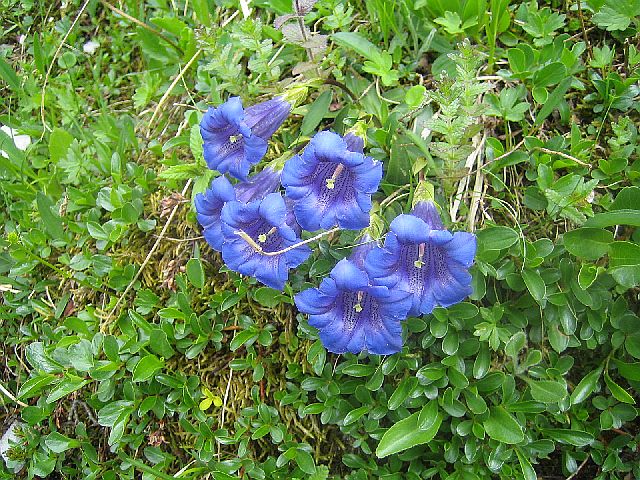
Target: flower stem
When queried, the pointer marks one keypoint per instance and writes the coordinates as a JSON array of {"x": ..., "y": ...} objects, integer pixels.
[{"x": 259, "y": 249}]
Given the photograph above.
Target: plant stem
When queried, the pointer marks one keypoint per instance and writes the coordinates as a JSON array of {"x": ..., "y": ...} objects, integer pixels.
[{"x": 259, "y": 249}]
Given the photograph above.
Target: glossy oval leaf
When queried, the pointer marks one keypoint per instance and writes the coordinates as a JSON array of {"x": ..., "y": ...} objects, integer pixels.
[
  {"x": 586, "y": 387},
  {"x": 547, "y": 391},
  {"x": 589, "y": 243},
  {"x": 406, "y": 434},
  {"x": 502, "y": 426}
]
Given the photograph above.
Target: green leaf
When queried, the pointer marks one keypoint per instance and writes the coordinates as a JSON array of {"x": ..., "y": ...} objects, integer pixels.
[
  {"x": 51, "y": 221},
  {"x": 627, "y": 199},
  {"x": 589, "y": 243},
  {"x": 502, "y": 426},
  {"x": 68, "y": 384},
  {"x": 428, "y": 416},
  {"x": 9, "y": 75},
  {"x": 617, "y": 217},
  {"x": 195, "y": 272},
  {"x": 627, "y": 276},
  {"x": 414, "y": 96},
  {"x": 527, "y": 469},
  {"x": 549, "y": 74},
  {"x": 402, "y": 392},
  {"x": 355, "y": 414},
  {"x": 587, "y": 275},
  {"x": 577, "y": 438},
  {"x": 535, "y": 284},
  {"x": 305, "y": 462},
  {"x": 159, "y": 343},
  {"x": 623, "y": 254},
  {"x": 630, "y": 371},
  {"x": 34, "y": 385},
  {"x": 516, "y": 343},
  {"x": 317, "y": 111},
  {"x": 245, "y": 336},
  {"x": 553, "y": 100},
  {"x": 109, "y": 414},
  {"x": 267, "y": 297},
  {"x": 586, "y": 387},
  {"x": 201, "y": 9},
  {"x": 359, "y": 44},
  {"x": 40, "y": 360},
  {"x": 59, "y": 143},
  {"x": 497, "y": 238},
  {"x": 38, "y": 54},
  {"x": 547, "y": 391},
  {"x": 58, "y": 443},
  {"x": 182, "y": 171},
  {"x": 617, "y": 391},
  {"x": 82, "y": 356},
  {"x": 632, "y": 345},
  {"x": 406, "y": 434},
  {"x": 146, "y": 368},
  {"x": 358, "y": 370}
]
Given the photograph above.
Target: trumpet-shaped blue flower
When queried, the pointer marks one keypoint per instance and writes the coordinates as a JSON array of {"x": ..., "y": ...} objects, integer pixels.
[
  {"x": 351, "y": 315},
  {"x": 209, "y": 204},
  {"x": 253, "y": 232},
  {"x": 330, "y": 184},
  {"x": 420, "y": 257},
  {"x": 236, "y": 138}
]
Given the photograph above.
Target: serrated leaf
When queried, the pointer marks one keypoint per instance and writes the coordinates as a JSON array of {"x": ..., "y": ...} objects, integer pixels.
[{"x": 182, "y": 172}]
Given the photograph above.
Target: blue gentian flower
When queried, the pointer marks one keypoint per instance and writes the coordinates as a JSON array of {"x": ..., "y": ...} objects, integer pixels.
[
  {"x": 351, "y": 315},
  {"x": 330, "y": 184},
  {"x": 421, "y": 257},
  {"x": 236, "y": 138},
  {"x": 209, "y": 204},
  {"x": 253, "y": 230}
]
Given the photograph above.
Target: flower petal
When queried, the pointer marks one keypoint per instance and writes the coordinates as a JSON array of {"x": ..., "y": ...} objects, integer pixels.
[
  {"x": 428, "y": 212},
  {"x": 354, "y": 143},
  {"x": 462, "y": 248},
  {"x": 273, "y": 209},
  {"x": 313, "y": 302},
  {"x": 348, "y": 276},
  {"x": 327, "y": 145},
  {"x": 410, "y": 229}
]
